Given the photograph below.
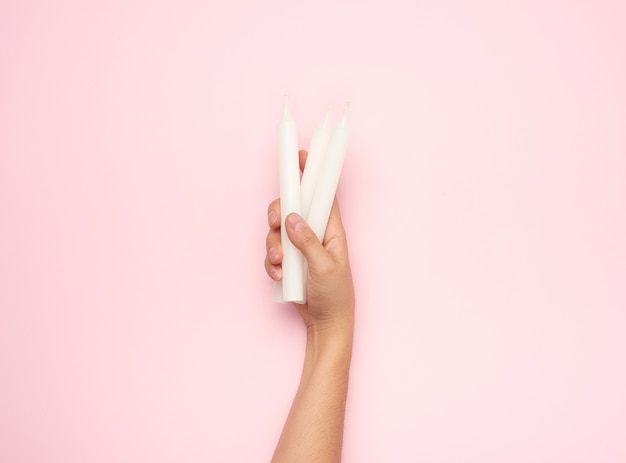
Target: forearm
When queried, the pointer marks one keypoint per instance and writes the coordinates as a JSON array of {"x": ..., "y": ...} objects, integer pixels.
[{"x": 313, "y": 431}]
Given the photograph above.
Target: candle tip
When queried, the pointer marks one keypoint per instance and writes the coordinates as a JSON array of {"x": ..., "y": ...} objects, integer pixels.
[
  {"x": 344, "y": 116},
  {"x": 286, "y": 114},
  {"x": 327, "y": 116}
]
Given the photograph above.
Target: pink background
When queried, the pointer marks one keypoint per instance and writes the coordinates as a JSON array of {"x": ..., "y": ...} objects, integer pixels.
[{"x": 484, "y": 196}]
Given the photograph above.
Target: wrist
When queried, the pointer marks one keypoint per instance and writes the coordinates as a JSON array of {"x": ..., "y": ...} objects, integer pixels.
[{"x": 330, "y": 341}]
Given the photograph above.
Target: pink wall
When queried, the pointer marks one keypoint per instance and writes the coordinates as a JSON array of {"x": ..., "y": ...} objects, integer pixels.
[{"x": 484, "y": 196}]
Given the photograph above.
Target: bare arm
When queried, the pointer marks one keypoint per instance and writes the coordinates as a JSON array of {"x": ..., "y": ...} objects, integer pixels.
[{"x": 313, "y": 431}]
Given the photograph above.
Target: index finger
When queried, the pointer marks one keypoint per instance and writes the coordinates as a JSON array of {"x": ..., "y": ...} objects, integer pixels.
[{"x": 273, "y": 214}]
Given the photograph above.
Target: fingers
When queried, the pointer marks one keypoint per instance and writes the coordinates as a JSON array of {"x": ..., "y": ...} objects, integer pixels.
[
  {"x": 274, "y": 271},
  {"x": 273, "y": 248},
  {"x": 318, "y": 256},
  {"x": 273, "y": 214},
  {"x": 273, "y": 258},
  {"x": 274, "y": 255},
  {"x": 305, "y": 240}
]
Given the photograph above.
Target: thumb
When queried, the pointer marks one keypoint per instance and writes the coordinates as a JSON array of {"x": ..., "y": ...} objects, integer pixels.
[{"x": 303, "y": 238}]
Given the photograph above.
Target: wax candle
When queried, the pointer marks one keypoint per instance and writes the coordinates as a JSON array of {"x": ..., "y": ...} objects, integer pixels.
[
  {"x": 289, "y": 172},
  {"x": 326, "y": 184},
  {"x": 314, "y": 162},
  {"x": 329, "y": 179}
]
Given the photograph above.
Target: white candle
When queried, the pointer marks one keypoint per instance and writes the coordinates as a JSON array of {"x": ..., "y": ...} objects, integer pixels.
[
  {"x": 314, "y": 162},
  {"x": 326, "y": 183},
  {"x": 329, "y": 178},
  {"x": 289, "y": 171}
]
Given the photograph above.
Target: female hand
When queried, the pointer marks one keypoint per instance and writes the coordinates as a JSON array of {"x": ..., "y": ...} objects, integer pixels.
[{"x": 329, "y": 287}]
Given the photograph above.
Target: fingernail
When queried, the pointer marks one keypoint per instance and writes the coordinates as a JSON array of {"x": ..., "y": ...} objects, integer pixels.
[
  {"x": 295, "y": 222},
  {"x": 273, "y": 253},
  {"x": 271, "y": 217},
  {"x": 275, "y": 273}
]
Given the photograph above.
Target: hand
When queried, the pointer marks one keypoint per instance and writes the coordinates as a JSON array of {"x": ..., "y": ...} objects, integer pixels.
[{"x": 330, "y": 291}]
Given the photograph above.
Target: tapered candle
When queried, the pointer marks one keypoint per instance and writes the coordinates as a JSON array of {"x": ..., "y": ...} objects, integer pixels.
[
  {"x": 312, "y": 171},
  {"x": 329, "y": 179},
  {"x": 314, "y": 162},
  {"x": 289, "y": 172}
]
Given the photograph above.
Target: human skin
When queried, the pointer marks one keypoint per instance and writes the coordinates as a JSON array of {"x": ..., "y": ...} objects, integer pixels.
[{"x": 313, "y": 431}]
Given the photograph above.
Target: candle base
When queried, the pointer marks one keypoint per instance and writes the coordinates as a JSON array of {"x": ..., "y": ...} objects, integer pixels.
[{"x": 277, "y": 294}]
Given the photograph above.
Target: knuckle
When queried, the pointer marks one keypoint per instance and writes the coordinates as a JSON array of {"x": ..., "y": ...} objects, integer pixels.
[
  {"x": 274, "y": 205},
  {"x": 272, "y": 240},
  {"x": 308, "y": 238}
]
